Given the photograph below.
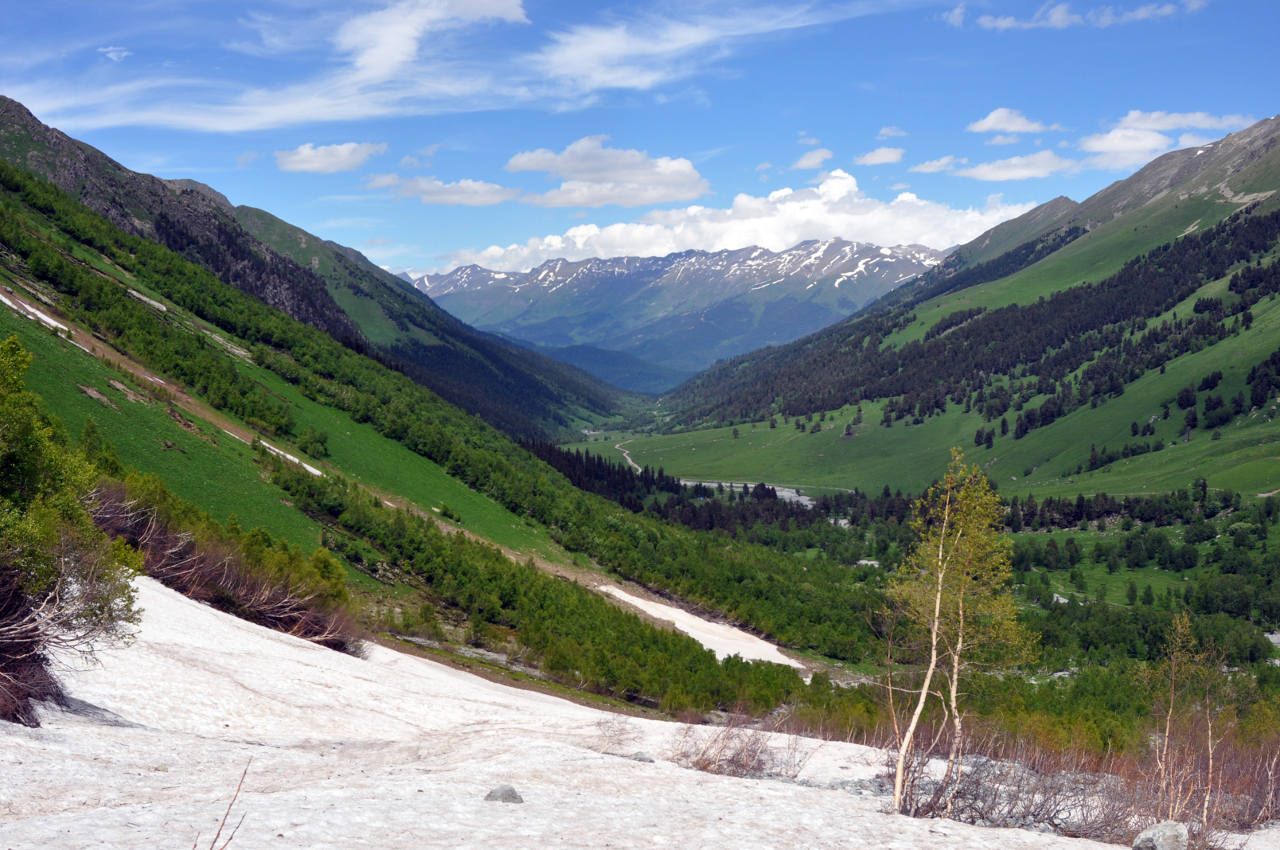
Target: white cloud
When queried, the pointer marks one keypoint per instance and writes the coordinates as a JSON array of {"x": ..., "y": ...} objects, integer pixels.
[
  {"x": 812, "y": 159},
  {"x": 328, "y": 159},
  {"x": 650, "y": 50},
  {"x": 1194, "y": 140},
  {"x": 880, "y": 156},
  {"x": 764, "y": 166},
  {"x": 246, "y": 159},
  {"x": 933, "y": 166},
  {"x": 955, "y": 17},
  {"x": 1003, "y": 139},
  {"x": 1040, "y": 164},
  {"x": 1140, "y": 136},
  {"x": 1060, "y": 16},
  {"x": 595, "y": 175},
  {"x": 836, "y": 207},
  {"x": 381, "y": 44},
  {"x": 890, "y": 132},
  {"x": 1139, "y": 120},
  {"x": 805, "y": 139},
  {"x": 1124, "y": 147},
  {"x": 115, "y": 54},
  {"x": 898, "y": 187},
  {"x": 432, "y": 190},
  {"x": 426, "y": 57},
  {"x": 1006, "y": 120}
]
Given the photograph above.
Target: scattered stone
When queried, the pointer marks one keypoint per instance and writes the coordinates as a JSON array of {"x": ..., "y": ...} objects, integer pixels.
[
  {"x": 1168, "y": 835},
  {"x": 508, "y": 794},
  {"x": 644, "y": 757}
]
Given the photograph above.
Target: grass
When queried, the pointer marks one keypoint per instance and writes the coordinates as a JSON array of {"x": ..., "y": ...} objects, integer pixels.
[
  {"x": 1244, "y": 458},
  {"x": 210, "y": 468}
]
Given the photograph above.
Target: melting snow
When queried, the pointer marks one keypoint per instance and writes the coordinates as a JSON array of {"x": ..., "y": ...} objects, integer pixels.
[
  {"x": 395, "y": 751},
  {"x": 721, "y": 639}
]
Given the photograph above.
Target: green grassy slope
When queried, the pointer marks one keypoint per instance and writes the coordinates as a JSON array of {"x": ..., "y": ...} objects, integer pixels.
[{"x": 1246, "y": 457}]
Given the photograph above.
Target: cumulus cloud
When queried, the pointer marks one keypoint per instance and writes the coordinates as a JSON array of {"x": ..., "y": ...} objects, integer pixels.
[
  {"x": 955, "y": 17},
  {"x": 1124, "y": 147},
  {"x": 890, "y": 132},
  {"x": 433, "y": 190},
  {"x": 944, "y": 163},
  {"x": 805, "y": 139},
  {"x": 812, "y": 159},
  {"x": 880, "y": 156},
  {"x": 1140, "y": 136},
  {"x": 115, "y": 54},
  {"x": 1060, "y": 16},
  {"x": 1003, "y": 139},
  {"x": 1040, "y": 164},
  {"x": 595, "y": 175},
  {"x": 835, "y": 207},
  {"x": 1006, "y": 120},
  {"x": 328, "y": 159}
]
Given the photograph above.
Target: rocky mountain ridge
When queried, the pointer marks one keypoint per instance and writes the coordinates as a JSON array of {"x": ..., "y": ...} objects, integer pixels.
[{"x": 687, "y": 309}]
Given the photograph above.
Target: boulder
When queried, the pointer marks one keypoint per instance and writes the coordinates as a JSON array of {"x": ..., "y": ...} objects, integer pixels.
[
  {"x": 508, "y": 794},
  {"x": 1168, "y": 835}
]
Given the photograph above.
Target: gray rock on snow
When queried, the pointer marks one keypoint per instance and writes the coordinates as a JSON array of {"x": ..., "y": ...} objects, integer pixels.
[
  {"x": 504, "y": 794},
  {"x": 1168, "y": 835},
  {"x": 641, "y": 756}
]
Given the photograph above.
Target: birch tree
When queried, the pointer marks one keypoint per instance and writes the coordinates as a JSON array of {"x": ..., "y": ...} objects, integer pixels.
[{"x": 952, "y": 591}]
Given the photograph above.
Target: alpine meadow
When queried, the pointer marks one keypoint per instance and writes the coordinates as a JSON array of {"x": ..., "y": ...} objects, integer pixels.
[{"x": 802, "y": 425}]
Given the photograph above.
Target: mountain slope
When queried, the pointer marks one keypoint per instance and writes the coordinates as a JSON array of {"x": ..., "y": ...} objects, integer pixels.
[
  {"x": 327, "y": 286},
  {"x": 506, "y": 384},
  {"x": 682, "y": 311},
  {"x": 1183, "y": 193}
]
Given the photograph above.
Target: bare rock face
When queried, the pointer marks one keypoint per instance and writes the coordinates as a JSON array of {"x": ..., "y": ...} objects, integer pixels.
[
  {"x": 1168, "y": 835},
  {"x": 508, "y": 794}
]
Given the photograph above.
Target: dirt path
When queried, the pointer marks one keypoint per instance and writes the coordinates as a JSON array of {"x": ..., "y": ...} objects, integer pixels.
[{"x": 627, "y": 456}]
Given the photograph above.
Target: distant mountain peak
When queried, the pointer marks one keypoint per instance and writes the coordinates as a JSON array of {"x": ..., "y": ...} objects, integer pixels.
[{"x": 684, "y": 310}]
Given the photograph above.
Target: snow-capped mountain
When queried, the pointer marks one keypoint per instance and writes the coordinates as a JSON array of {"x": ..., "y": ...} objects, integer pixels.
[{"x": 684, "y": 310}]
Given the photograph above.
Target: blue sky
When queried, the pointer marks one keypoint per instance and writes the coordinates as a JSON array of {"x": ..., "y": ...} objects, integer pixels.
[{"x": 429, "y": 133}]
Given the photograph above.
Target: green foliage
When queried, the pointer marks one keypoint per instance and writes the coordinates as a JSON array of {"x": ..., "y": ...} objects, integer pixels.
[
  {"x": 62, "y": 584},
  {"x": 571, "y": 633}
]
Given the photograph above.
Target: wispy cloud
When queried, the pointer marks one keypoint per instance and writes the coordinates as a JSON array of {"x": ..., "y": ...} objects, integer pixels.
[
  {"x": 1060, "y": 16},
  {"x": 649, "y": 50},
  {"x": 328, "y": 159},
  {"x": 427, "y": 57},
  {"x": 890, "y": 132},
  {"x": 115, "y": 54}
]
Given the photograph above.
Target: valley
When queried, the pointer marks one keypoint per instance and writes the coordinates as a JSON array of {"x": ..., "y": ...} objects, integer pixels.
[{"x": 284, "y": 431}]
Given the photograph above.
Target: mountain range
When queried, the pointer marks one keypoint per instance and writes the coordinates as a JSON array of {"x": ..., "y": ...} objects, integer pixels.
[{"x": 684, "y": 311}]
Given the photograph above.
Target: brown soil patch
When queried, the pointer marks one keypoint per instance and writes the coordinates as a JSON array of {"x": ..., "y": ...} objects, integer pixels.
[
  {"x": 129, "y": 392},
  {"x": 93, "y": 393}
]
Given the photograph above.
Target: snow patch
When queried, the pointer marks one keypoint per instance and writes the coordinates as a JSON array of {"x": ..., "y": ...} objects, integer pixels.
[{"x": 397, "y": 752}]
